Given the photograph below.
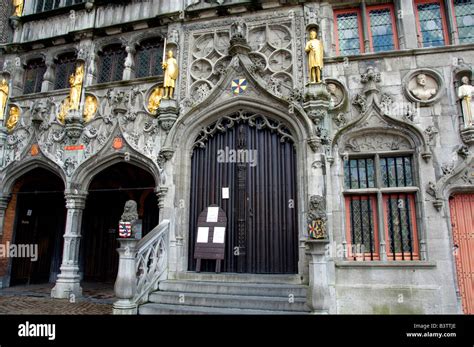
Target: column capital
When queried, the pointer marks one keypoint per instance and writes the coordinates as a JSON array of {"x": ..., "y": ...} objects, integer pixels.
[{"x": 75, "y": 199}]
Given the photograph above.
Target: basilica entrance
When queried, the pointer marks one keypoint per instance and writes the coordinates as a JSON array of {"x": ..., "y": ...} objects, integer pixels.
[
  {"x": 39, "y": 225},
  {"x": 246, "y": 164},
  {"x": 108, "y": 192}
]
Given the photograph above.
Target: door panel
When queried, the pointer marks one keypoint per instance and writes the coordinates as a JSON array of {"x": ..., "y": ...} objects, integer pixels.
[
  {"x": 462, "y": 219},
  {"x": 261, "y": 235}
]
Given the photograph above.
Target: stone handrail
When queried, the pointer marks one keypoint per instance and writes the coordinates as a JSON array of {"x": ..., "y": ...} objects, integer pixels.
[{"x": 142, "y": 263}]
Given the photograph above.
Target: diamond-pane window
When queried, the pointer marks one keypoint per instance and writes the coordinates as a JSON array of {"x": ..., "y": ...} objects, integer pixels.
[
  {"x": 348, "y": 32},
  {"x": 34, "y": 73},
  {"x": 400, "y": 219},
  {"x": 431, "y": 24},
  {"x": 149, "y": 58},
  {"x": 381, "y": 29},
  {"x": 111, "y": 63},
  {"x": 464, "y": 12},
  {"x": 64, "y": 68},
  {"x": 362, "y": 223}
]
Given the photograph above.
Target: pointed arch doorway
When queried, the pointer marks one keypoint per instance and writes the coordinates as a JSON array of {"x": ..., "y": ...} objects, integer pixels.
[{"x": 252, "y": 159}]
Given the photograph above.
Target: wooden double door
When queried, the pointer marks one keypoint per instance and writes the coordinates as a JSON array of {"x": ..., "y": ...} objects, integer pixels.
[{"x": 248, "y": 169}]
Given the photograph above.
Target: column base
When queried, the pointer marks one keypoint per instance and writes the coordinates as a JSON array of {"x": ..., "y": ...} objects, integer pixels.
[
  {"x": 65, "y": 288},
  {"x": 125, "y": 307}
]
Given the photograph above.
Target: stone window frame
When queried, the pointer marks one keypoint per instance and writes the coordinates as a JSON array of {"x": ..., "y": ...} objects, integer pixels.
[
  {"x": 25, "y": 73},
  {"x": 454, "y": 19},
  {"x": 363, "y": 18},
  {"x": 382, "y": 248},
  {"x": 444, "y": 21},
  {"x": 99, "y": 60},
  {"x": 137, "y": 47}
]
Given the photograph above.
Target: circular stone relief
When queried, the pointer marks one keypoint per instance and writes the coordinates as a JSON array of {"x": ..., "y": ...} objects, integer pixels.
[
  {"x": 203, "y": 46},
  {"x": 201, "y": 69},
  {"x": 279, "y": 37},
  {"x": 280, "y": 60},
  {"x": 336, "y": 90},
  {"x": 423, "y": 86},
  {"x": 257, "y": 38}
]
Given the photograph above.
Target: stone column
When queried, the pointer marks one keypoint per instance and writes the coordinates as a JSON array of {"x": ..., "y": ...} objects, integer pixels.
[
  {"x": 406, "y": 20},
  {"x": 126, "y": 284},
  {"x": 68, "y": 282},
  {"x": 318, "y": 298},
  {"x": 48, "y": 79},
  {"x": 4, "y": 199},
  {"x": 129, "y": 70}
]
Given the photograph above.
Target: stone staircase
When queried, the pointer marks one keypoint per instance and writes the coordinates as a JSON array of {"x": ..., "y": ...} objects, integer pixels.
[{"x": 193, "y": 293}]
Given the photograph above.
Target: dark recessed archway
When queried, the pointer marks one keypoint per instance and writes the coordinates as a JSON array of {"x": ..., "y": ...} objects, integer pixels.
[
  {"x": 108, "y": 192},
  {"x": 39, "y": 223}
]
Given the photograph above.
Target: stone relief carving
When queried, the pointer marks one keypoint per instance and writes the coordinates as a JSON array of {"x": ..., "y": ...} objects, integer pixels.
[
  {"x": 423, "y": 86},
  {"x": 374, "y": 142},
  {"x": 317, "y": 217}
]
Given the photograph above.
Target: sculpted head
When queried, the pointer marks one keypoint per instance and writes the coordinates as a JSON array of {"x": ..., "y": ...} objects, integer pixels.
[
  {"x": 421, "y": 79},
  {"x": 465, "y": 80},
  {"x": 170, "y": 54},
  {"x": 313, "y": 34}
]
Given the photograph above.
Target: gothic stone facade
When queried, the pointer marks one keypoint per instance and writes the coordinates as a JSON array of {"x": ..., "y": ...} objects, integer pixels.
[{"x": 372, "y": 110}]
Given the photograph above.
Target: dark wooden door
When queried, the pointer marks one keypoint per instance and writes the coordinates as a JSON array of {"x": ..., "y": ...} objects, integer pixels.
[
  {"x": 40, "y": 221},
  {"x": 262, "y": 228}
]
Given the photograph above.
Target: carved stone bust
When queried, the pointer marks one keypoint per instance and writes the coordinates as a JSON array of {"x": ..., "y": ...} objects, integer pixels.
[
  {"x": 130, "y": 212},
  {"x": 424, "y": 88}
]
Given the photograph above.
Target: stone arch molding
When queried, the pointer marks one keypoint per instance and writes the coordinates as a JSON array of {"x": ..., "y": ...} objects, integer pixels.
[
  {"x": 220, "y": 100},
  {"x": 375, "y": 126}
]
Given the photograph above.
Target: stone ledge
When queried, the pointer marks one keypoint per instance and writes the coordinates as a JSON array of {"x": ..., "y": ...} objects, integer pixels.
[{"x": 385, "y": 264}]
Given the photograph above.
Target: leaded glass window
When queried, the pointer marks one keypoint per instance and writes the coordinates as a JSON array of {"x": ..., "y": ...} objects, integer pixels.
[
  {"x": 396, "y": 172},
  {"x": 362, "y": 224},
  {"x": 34, "y": 73},
  {"x": 381, "y": 29},
  {"x": 46, "y": 5},
  {"x": 464, "y": 12},
  {"x": 359, "y": 173},
  {"x": 64, "y": 68},
  {"x": 431, "y": 24},
  {"x": 348, "y": 32},
  {"x": 149, "y": 58},
  {"x": 111, "y": 63},
  {"x": 399, "y": 219}
]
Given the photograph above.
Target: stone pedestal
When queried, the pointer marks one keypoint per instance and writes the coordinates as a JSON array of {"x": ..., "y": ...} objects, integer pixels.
[
  {"x": 467, "y": 135},
  {"x": 168, "y": 112},
  {"x": 68, "y": 282},
  {"x": 126, "y": 283},
  {"x": 318, "y": 298}
]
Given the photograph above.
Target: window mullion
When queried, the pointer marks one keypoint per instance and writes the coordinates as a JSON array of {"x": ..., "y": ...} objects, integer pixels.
[
  {"x": 365, "y": 26},
  {"x": 453, "y": 32},
  {"x": 380, "y": 219}
]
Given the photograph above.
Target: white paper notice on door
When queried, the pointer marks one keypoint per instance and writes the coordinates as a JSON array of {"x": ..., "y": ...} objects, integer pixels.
[
  {"x": 203, "y": 235},
  {"x": 225, "y": 192},
  {"x": 219, "y": 235},
  {"x": 212, "y": 214}
]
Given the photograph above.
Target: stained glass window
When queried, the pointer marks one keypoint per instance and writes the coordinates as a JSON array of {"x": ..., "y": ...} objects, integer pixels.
[
  {"x": 400, "y": 225},
  {"x": 362, "y": 223},
  {"x": 34, "y": 73},
  {"x": 431, "y": 25},
  {"x": 381, "y": 29},
  {"x": 359, "y": 173},
  {"x": 47, "y": 5},
  {"x": 64, "y": 68},
  {"x": 149, "y": 58},
  {"x": 348, "y": 33},
  {"x": 396, "y": 171},
  {"x": 464, "y": 12},
  {"x": 111, "y": 65}
]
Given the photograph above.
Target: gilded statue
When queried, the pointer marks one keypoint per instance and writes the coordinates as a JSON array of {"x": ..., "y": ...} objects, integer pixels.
[
  {"x": 90, "y": 108},
  {"x": 314, "y": 48},
  {"x": 170, "y": 66},
  {"x": 155, "y": 99},
  {"x": 63, "y": 111},
  {"x": 18, "y": 5},
  {"x": 13, "y": 118},
  {"x": 75, "y": 81},
  {"x": 3, "y": 98},
  {"x": 465, "y": 93}
]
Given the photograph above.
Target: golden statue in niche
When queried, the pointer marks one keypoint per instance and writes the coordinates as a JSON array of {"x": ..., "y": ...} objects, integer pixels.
[
  {"x": 170, "y": 67},
  {"x": 63, "y": 110},
  {"x": 155, "y": 99},
  {"x": 75, "y": 81},
  {"x": 4, "y": 88},
  {"x": 18, "y": 5},
  {"x": 314, "y": 48},
  {"x": 13, "y": 118},
  {"x": 90, "y": 108}
]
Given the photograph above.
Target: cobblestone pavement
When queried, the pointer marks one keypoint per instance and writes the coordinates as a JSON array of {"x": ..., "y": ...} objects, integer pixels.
[{"x": 35, "y": 299}]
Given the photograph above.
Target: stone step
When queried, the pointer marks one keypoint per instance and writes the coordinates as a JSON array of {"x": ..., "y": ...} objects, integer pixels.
[
  {"x": 156, "y": 309},
  {"x": 235, "y": 277},
  {"x": 230, "y": 301},
  {"x": 234, "y": 288}
]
